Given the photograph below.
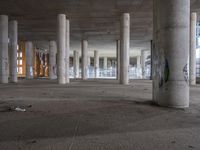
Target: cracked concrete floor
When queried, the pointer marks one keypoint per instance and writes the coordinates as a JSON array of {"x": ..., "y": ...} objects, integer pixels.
[{"x": 94, "y": 115}]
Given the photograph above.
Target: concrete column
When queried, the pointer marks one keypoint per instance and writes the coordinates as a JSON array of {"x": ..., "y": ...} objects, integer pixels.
[
  {"x": 4, "y": 49},
  {"x": 89, "y": 61},
  {"x": 138, "y": 61},
  {"x": 52, "y": 60},
  {"x": 67, "y": 51},
  {"x": 139, "y": 73},
  {"x": 193, "y": 28},
  {"x": 46, "y": 68},
  {"x": 61, "y": 43},
  {"x": 29, "y": 59},
  {"x": 124, "y": 49},
  {"x": 76, "y": 64},
  {"x": 151, "y": 43},
  {"x": 171, "y": 53},
  {"x": 42, "y": 62},
  {"x": 143, "y": 60},
  {"x": 118, "y": 59},
  {"x": 38, "y": 63},
  {"x": 96, "y": 64},
  {"x": 109, "y": 64},
  {"x": 105, "y": 63},
  {"x": 84, "y": 59},
  {"x": 13, "y": 36}
]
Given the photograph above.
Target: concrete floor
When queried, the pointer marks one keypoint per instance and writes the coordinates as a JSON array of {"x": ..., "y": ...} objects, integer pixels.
[{"x": 94, "y": 115}]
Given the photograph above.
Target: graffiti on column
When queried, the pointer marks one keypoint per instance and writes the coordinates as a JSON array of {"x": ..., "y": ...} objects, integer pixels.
[
  {"x": 186, "y": 73},
  {"x": 165, "y": 78},
  {"x": 166, "y": 73},
  {"x": 54, "y": 70},
  {"x": 6, "y": 64},
  {"x": 160, "y": 81}
]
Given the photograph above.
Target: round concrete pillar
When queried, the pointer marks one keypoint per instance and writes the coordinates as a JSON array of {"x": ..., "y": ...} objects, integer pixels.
[
  {"x": 118, "y": 59},
  {"x": 143, "y": 61},
  {"x": 124, "y": 49},
  {"x": 67, "y": 51},
  {"x": 138, "y": 61},
  {"x": 52, "y": 60},
  {"x": 29, "y": 59},
  {"x": 84, "y": 59},
  {"x": 89, "y": 61},
  {"x": 13, "y": 36},
  {"x": 76, "y": 64},
  {"x": 193, "y": 28},
  {"x": 61, "y": 43},
  {"x": 171, "y": 53},
  {"x": 105, "y": 63},
  {"x": 4, "y": 66},
  {"x": 96, "y": 64}
]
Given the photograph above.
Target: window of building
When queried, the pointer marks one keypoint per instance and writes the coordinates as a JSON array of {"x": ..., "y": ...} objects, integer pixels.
[{"x": 19, "y": 61}]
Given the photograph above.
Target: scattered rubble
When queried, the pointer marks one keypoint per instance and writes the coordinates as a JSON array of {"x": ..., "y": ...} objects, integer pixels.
[{"x": 14, "y": 108}]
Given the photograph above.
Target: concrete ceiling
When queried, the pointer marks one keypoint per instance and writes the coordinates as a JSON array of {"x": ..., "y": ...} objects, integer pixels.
[{"x": 95, "y": 20}]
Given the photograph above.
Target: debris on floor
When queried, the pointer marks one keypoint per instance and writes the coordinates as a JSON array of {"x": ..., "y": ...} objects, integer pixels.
[
  {"x": 14, "y": 108},
  {"x": 20, "y": 109},
  {"x": 31, "y": 142}
]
